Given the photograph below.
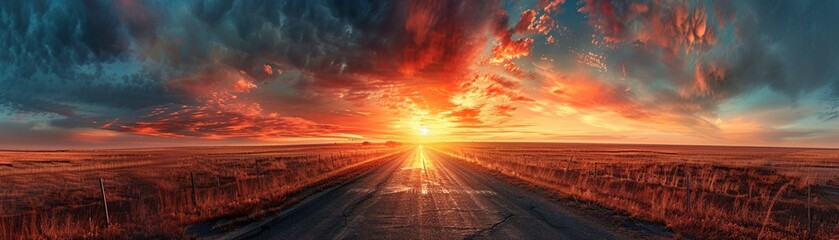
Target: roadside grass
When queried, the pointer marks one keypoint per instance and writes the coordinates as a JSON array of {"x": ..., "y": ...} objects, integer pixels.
[
  {"x": 698, "y": 192},
  {"x": 56, "y": 194}
]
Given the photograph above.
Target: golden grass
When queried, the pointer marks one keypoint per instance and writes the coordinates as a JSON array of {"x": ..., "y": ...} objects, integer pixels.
[
  {"x": 56, "y": 195},
  {"x": 697, "y": 191}
]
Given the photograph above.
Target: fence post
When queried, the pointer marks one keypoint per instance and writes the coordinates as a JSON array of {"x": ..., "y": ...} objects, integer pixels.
[
  {"x": 104, "y": 202},
  {"x": 687, "y": 190},
  {"x": 258, "y": 173},
  {"x": 192, "y": 179},
  {"x": 809, "y": 215},
  {"x": 568, "y": 166},
  {"x": 238, "y": 188}
]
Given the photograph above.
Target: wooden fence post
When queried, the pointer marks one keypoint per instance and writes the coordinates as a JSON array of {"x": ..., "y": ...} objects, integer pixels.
[
  {"x": 687, "y": 190},
  {"x": 239, "y": 192},
  {"x": 809, "y": 215},
  {"x": 192, "y": 179},
  {"x": 258, "y": 173},
  {"x": 104, "y": 202},
  {"x": 568, "y": 166}
]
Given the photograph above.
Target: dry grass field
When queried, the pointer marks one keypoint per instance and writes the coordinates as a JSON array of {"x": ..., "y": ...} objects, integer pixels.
[
  {"x": 150, "y": 193},
  {"x": 697, "y": 191}
]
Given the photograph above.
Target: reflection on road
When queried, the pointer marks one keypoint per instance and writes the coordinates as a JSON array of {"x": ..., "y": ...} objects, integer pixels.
[{"x": 423, "y": 195}]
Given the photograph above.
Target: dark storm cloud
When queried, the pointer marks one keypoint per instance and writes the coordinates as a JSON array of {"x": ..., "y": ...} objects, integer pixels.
[
  {"x": 803, "y": 34},
  {"x": 336, "y": 39},
  {"x": 56, "y": 54},
  {"x": 47, "y": 36},
  {"x": 88, "y": 61},
  {"x": 788, "y": 46},
  {"x": 106, "y": 64}
]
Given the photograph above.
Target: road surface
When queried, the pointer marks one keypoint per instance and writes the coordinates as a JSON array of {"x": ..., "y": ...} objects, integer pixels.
[{"x": 425, "y": 195}]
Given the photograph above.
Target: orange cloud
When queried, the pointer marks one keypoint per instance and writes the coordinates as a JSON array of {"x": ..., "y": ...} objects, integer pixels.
[
  {"x": 440, "y": 39},
  {"x": 485, "y": 99},
  {"x": 551, "y": 6},
  {"x": 585, "y": 93},
  {"x": 581, "y": 90},
  {"x": 508, "y": 49},
  {"x": 465, "y": 116},
  {"x": 215, "y": 122},
  {"x": 544, "y": 25},
  {"x": 219, "y": 112}
]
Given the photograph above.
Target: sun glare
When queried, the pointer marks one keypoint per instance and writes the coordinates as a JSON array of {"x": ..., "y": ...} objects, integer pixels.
[{"x": 424, "y": 131}]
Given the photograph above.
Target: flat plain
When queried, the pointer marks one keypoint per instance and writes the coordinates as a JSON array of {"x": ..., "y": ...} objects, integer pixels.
[
  {"x": 696, "y": 191},
  {"x": 704, "y": 192},
  {"x": 57, "y": 194}
]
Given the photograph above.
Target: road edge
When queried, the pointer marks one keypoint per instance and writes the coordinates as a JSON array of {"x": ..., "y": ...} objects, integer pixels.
[{"x": 256, "y": 227}]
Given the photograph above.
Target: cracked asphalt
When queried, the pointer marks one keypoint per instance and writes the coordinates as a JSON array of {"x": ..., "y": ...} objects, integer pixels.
[{"x": 426, "y": 195}]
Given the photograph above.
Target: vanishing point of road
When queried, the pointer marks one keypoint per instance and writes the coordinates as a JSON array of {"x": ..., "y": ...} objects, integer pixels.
[{"x": 426, "y": 195}]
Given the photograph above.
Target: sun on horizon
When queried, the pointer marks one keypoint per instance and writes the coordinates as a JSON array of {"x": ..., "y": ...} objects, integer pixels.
[
  {"x": 423, "y": 131},
  {"x": 178, "y": 73},
  {"x": 435, "y": 119}
]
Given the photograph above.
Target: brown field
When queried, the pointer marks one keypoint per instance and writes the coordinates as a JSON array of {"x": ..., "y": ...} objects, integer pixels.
[
  {"x": 56, "y": 194},
  {"x": 696, "y": 191}
]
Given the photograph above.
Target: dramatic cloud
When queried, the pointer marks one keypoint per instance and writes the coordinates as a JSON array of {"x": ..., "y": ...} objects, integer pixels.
[
  {"x": 485, "y": 100},
  {"x": 257, "y": 70},
  {"x": 130, "y": 56},
  {"x": 215, "y": 121},
  {"x": 687, "y": 58}
]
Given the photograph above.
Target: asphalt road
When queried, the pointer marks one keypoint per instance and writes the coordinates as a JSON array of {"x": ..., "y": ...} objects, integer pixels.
[{"x": 425, "y": 195}]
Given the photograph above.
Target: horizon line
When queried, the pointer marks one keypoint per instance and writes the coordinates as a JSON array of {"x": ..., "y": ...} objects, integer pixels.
[{"x": 405, "y": 142}]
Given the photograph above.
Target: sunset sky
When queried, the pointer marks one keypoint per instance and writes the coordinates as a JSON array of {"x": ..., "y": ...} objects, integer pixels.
[{"x": 100, "y": 74}]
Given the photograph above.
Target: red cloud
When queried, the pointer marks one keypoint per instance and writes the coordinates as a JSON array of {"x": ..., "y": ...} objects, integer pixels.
[
  {"x": 583, "y": 91},
  {"x": 673, "y": 26},
  {"x": 525, "y": 22},
  {"x": 465, "y": 116},
  {"x": 443, "y": 37},
  {"x": 504, "y": 110},
  {"x": 218, "y": 112},
  {"x": 508, "y": 49},
  {"x": 214, "y": 122},
  {"x": 431, "y": 47}
]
